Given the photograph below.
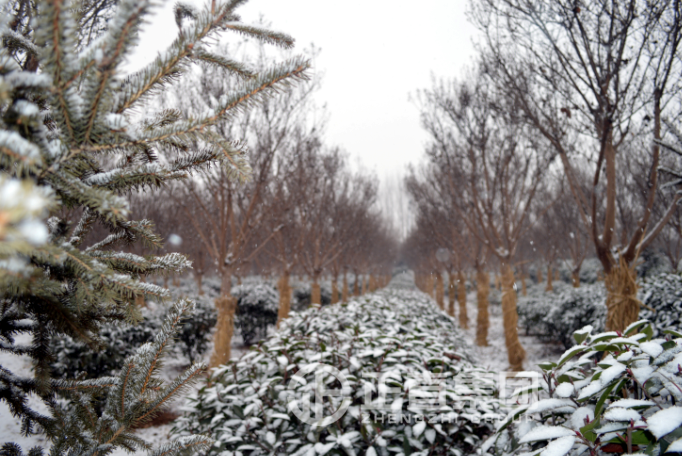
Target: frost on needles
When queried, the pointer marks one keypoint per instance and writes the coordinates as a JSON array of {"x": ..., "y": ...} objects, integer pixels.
[{"x": 72, "y": 140}]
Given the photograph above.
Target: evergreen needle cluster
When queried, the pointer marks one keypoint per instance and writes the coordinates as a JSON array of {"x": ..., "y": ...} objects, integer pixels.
[{"x": 73, "y": 141}]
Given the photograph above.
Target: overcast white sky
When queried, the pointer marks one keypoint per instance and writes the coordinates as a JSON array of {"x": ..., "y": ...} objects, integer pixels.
[{"x": 374, "y": 53}]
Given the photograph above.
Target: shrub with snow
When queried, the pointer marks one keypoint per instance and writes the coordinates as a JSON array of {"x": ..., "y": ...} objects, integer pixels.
[
  {"x": 195, "y": 334},
  {"x": 611, "y": 393},
  {"x": 257, "y": 305},
  {"x": 554, "y": 316},
  {"x": 653, "y": 263},
  {"x": 662, "y": 299},
  {"x": 387, "y": 346},
  {"x": 301, "y": 296},
  {"x": 118, "y": 341}
]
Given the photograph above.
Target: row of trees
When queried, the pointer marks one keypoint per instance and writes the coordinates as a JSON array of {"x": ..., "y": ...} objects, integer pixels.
[
  {"x": 550, "y": 146},
  {"x": 304, "y": 211}
]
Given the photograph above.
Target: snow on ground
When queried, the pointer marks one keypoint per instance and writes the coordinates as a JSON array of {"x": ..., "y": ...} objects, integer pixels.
[{"x": 494, "y": 356}]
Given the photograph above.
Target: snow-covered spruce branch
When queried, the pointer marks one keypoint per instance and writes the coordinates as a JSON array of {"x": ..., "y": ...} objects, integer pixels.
[
  {"x": 250, "y": 92},
  {"x": 166, "y": 65}
]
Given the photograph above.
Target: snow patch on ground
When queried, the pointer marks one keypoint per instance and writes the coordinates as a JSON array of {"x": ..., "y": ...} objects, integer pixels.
[{"x": 494, "y": 356}]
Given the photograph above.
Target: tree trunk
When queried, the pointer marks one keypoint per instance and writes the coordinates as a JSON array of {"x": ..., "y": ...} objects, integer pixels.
[
  {"x": 440, "y": 298},
  {"x": 575, "y": 278},
  {"x": 165, "y": 281},
  {"x": 198, "y": 278},
  {"x": 462, "y": 299},
  {"x": 226, "y": 305},
  {"x": 539, "y": 275},
  {"x": 515, "y": 352},
  {"x": 452, "y": 291},
  {"x": 335, "y": 290},
  {"x": 549, "y": 286},
  {"x": 344, "y": 292},
  {"x": 482, "y": 319},
  {"x": 356, "y": 285},
  {"x": 622, "y": 305},
  {"x": 372, "y": 283},
  {"x": 315, "y": 292},
  {"x": 524, "y": 290},
  {"x": 430, "y": 285},
  {"x": 284, "y": 298},
  {"x": 364, "y": 284},
  {"x": 176, "y": 281}
]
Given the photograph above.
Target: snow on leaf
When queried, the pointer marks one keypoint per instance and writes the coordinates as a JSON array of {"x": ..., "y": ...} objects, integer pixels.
[
  {"x": 546, "y": 433},
  {"x": 559, "y": 447},
  {"x": 545, "y": 405},
  {"x": 652, "y": 349},
  {"x": 418, "y": 428},
  {"x": 321, "y": 448},
  {"x": 565, "y": 390},
  {"x": 664, "y": 422},
  {"x": 621, "y": 414},
  {"x": 581, "y": 417},
  {"x": 628, "y": 403},
  {"x": 610, "y": 374}
]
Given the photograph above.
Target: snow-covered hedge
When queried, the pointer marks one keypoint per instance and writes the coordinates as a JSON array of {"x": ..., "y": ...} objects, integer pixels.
[
  {"x": 611, "y": 393},
  {"x": 257, "y": 305},
  {"x": 662, "y": 297},
  {"x": 386, "y": 345},
  {"x": 118, "y": 341},
  {"x": 554, "y": 316},
  {"x": 302, "y": 296},
  {"x": 653, "y": 263}
]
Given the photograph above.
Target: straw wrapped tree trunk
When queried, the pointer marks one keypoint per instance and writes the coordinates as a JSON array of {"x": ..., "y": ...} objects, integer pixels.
[
  {"x": 515, "y": 352},
  {"x": 430, "y": 285},
  {"x": 372, "y": 283},
  {"x": 226, "y": 305},
  {"x": 482, "y": 317},
  {"x": 549, "y": 286},
  {"x": 284, "y": 297},
  {"x": 462, "y": 300},
  {"x": 452, "y": 293},
  {"x": 335, "y": 290},
  {"x": 345, "y": 292},
  {"x": 622, "y": 305},
  {"x": 575, "y": 278},
  {"x": 440, "y": 291},
  {"x": 315, "y": 293}
]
